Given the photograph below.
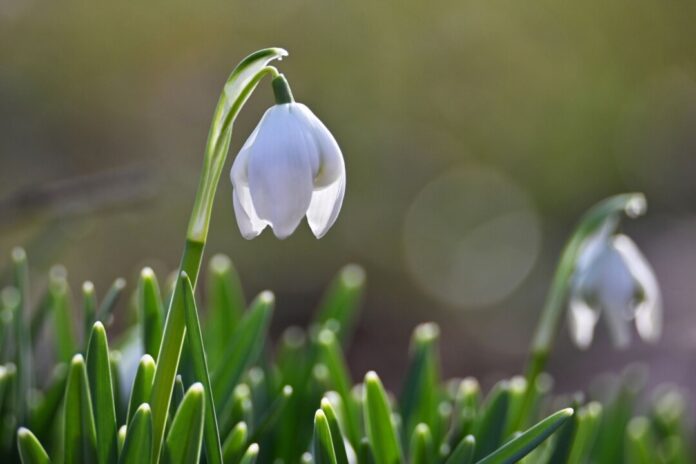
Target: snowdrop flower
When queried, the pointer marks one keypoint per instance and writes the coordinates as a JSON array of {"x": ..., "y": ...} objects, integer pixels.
[
  {"x": 290, "y": 166},
  {"x": 613, "y": 279}
]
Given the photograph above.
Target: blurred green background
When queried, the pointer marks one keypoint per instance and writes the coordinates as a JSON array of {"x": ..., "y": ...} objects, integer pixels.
[{"x": 475, "y": 133}]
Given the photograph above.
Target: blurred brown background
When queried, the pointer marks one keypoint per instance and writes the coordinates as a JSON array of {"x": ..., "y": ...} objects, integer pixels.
[{"x": 475, "y": 134}]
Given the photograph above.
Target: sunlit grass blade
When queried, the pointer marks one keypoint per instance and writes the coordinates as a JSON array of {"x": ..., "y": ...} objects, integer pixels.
[
  {"x": 89, "y": 307},
  {"x": 30, "y": 450},
  {"x": 183, "y": 445},
  {"x": 108, "y": 304},
  {"x": 322, "y": 444},
  {"x": 489, "y": 427},
  {"x": 137, "y": 445},
  {"x": 177, "y": 395},
  {"x": 467, "y": 397},
  {"x": 23, "y": 354},
  {"x": 336, "y": 434},
  {"x": 60, "y": 300},
  {"x": 563, "y": 441},
  {"x": 272, "y": 414},
  {"x": 588, "y": 418},
  {"x": 226, "y": 304},
  {"x": 421, "y": 451},
  {"x": 640, "y": 446},
  {"x": 238, "y": 409},
  {"x": 234, "y": 444},
  {"x": 213, "y": 448},
  {"x": 150, "y": 311},
  {"x": 79, "y": 430},
  {"x": 121, "y": 439},
  {"x": 244, "y": 346},
  {"x": 420, "y": 396},
  {"x": 331, "y": 355},
  {"x": 101, "y": 390},
  {"x": 250, "y": 455},
  {"x": 342, "y": 300},
  {"x": 115, "y": 358},
  {"x": 142, "y": 385},
  {"x": 464, "y": 452},
  {"x": 520, "y": 446},
  {"x": 379, "y": 424}
]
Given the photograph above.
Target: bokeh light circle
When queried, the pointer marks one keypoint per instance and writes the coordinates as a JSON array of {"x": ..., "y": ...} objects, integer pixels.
[{"x": 470, "y": 237}]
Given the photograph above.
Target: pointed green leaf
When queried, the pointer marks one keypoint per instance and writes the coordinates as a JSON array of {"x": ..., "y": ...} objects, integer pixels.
[
  {"x": 379, "y": 422},
  {"x": 23, "y": 353},
  {"x": 30, "y": 450},
  {"x": 422, "y": 445},
  {"x": 489, "y": 427},
  {"x": 250, "y": 455},
  {"x": 101, "y": 390},
  {"x": 342, "y": 300},
  {"x": 588, "y": 418},
  {"x": 336, "y": 434},
  {"x": 524, "y": 443},
  {"x": 89, "y": 307},
  {"x": 640, "y": 443},
  {"x": 274, "y": 411},
  {"x": 322, "y": 444},
  {"x": 79, "y": 430},
  {"x": 150, "y": 311},
  {"x": 60, "y": 300},
  {"x": 245, "y": 345},
  {"x": 108, "y": 304},
  {"x": 464, "y": 452},
  {"x": 234, "y": 444},
  {"x": 213, "y": 448},
  {"x": 183, "y": 445},
  {"x": 226, "y": 305},
  {"x": 142, "y": 385},
  {"x": 138, "y": 442}
]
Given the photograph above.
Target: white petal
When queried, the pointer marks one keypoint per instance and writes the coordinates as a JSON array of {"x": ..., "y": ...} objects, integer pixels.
[
  {"x": 331, "y": 167},
  {"x": 249, "y": 224},
  {"x": 648, "y": 312},
  {"x": 325, "y": 205},
  {"x": 280, "y": 170},
  {"x": 582, "y": 320}
]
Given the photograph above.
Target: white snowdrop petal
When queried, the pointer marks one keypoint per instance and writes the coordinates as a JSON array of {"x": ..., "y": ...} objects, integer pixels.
[
  {"x": 582, "y": 321},
  {"x": 648, "y": 311},
  {"x": 331, "y": 166},
  {"x": 279, "y": 171},
  {"x": 325, "y": 206},
  {"x": 250, "y": 225},
  {"x": 619, "y": 326}
]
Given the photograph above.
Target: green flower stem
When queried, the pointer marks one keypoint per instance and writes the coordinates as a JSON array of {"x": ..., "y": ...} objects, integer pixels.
[
  {"x": 237, "y": 90},
  {"x": 631, "y": 204}
]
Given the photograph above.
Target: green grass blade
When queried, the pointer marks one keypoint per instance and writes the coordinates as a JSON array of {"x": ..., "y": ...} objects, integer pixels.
[
  {"x": 244, "y": 347},
  {"x": 108, "y": 304},
  {"x": 60, "y": 300},
  {"x": 640, "y": 446},
  {"x": 490, "y": 425},
  {"x": 379, "y": 423},
  {"x": 342, "y": 300},
  {"x": 121, "y": 438},
  {"x": 89, "y": 307},
  {"x": 183, "y": 445},
  {"x": 421, "y": 396},
  {"x": 226, "y": 304},
  {"x": 421, "y": 451},
  {"x": 142, "y": 385},
  {"x": 336, "y": 434},
  {"x": 23, "y": 354},
  {"x": 102, "y": 394},
  {"x": 46, "y": 410},
  {"x": 30, "y": 450},
  {"x": 464, "y": 451},
  {"x": 524, "y": 443},
  {"x": 251, "y": 454},
  {"x": 234, "y": 444},
  {"x": 138, "y": 442},
  {"x": 272, "y": 414},
  {"x": 80, "y": 435},
  {"x": 213, "y": 448},
  {"x": 150, "y": 311},
  {"x": 588, "y": 418},
  {"x": 322, "y": 444}
]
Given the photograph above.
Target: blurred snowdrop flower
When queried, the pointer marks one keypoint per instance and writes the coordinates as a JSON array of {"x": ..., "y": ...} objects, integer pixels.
[
  {"x": 289, "y": 168},
  {"x": 613, "y": 279}
]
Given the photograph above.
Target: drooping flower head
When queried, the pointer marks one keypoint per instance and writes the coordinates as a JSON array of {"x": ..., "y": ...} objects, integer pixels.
[
  {"x": 290, "y": 167},
  {"x": 612, "y": 279}
]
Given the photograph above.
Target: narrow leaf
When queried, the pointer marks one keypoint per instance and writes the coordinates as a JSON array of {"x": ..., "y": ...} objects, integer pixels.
[
  {"x": 23, "y": 353},
  {"x": 251, "y": 454},
  {"x": 150, "y": 311},
  {"x": 60, "y": 299},
  {"x": 233, "y": 447},
  {"x": 183, "y": 445},
  {"x": 142, "y": 385},
  {"x": 489, "y": 427},
  {"x": 213, "y": 448},
  {"x": 521, "y": 445},
  {"x": 89, "y": 307},
  {"x": 79, "y": 430},
  {"x": 30, "y": 450},
  {"x": 102, "y": 394},
  {"x": 342, "y": 300},
  {"x": 379, "y": 423},
  {"x": 336, "y": 434},
  {"x": 422, "y": 445},
  {"x": 322, "y": 445},
  {"x": 108, "y": 304},
  {"x": 138, "y": 442},
  {"x": 464, "y": 452}
]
